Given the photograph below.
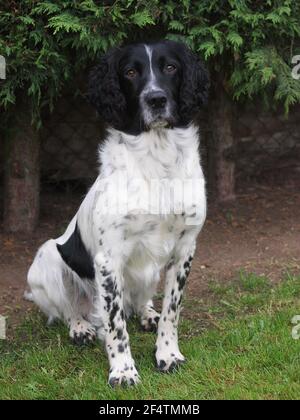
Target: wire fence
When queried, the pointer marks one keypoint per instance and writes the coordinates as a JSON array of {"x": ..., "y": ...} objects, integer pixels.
[
  {"x": 266, "y": 142},
  {"x": 70, "y": 141},
  {"x": 71, "y": 135}
]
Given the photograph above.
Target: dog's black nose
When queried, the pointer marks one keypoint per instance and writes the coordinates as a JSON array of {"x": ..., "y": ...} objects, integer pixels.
[{"x": 156, "y": 100}]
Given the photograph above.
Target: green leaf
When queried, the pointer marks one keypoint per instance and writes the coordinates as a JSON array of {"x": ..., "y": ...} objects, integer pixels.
[
  {"x": 176, "y": 25},
  {"x": 65, "y": 22},
  {"x": 142, "y": 19},
  {"x": 27, "y": 20},
  {"x": 209, "y": 49},
  {"x": 267, "y": 75},
  {"x": 235, "y": 40},
  {"x": 274, "y": 18}
]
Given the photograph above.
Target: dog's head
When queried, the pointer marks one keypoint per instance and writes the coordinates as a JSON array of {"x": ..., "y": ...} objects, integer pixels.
[{"x": 146, "y": 86}]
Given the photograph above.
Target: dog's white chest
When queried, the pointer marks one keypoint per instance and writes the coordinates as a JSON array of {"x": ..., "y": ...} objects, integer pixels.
[
  {"x": 157, "y": 234},
  {"x": 151, "y": 240},
  {"x": 150, "y": 190}
]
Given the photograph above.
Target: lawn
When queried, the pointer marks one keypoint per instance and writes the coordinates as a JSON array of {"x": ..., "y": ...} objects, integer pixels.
[{"x": 238, "y": 343}]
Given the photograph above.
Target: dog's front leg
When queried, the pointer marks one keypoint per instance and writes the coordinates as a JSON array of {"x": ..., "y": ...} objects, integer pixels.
[
  {"x": 110, "y": 309},
  {"x": 168, "y": 355}
]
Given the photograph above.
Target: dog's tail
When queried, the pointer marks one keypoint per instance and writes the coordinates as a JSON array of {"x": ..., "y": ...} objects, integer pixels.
[{"x": 28, "y": 296}]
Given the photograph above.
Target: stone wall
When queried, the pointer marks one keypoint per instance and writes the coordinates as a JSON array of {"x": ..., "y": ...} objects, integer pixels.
[
  {"x": 70, "y": 140},
  {"x": 266, "y": 141}
]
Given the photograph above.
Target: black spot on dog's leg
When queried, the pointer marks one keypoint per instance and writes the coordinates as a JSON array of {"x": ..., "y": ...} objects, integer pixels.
[
  {"x": 161, "y": 365},
  {"x": 119, "y": 334},
  {"x": 112, "y": 315},
  {"x": 181, "y": 280}
]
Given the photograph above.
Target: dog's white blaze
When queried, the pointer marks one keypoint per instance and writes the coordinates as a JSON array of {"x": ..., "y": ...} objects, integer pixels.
[
  {"x": 152, "y": 84},
  {"x": 149, "y": 53}
]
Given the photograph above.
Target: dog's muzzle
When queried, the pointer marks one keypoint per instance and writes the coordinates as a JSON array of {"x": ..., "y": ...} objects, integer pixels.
[
  {"x": 156, "y": 100},
  {"x": 156, "y": 109}
]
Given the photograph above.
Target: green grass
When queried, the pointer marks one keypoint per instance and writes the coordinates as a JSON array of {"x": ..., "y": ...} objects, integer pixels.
[{"x": 245, "y": 351}]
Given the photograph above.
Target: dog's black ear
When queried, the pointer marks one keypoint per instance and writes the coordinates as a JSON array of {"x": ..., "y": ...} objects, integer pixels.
[
  {"x": 195, "y": 85},
  {"x": 104, "y": 91}
]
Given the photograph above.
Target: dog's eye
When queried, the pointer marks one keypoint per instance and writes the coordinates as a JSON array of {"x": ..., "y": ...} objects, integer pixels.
[
  {"x": 131, "y": 73},
  {"x": 170, "y": 68}
]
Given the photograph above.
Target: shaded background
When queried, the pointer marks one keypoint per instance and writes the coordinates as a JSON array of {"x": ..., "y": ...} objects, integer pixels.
[{"x": 250, "y": 131}]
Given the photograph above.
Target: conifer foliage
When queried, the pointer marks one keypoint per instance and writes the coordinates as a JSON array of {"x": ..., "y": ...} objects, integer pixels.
[
  {"x": 249, "y": 46},
  {"x": 250, "y": 43}
]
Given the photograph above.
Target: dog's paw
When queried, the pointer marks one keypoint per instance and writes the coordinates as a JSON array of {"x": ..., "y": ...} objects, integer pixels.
[
  {"x": 150, "y": 323},
  {"x": 123, "y": 377},
  {"x": 82, "y": 332},
  {"x": 169, "y": 363}
]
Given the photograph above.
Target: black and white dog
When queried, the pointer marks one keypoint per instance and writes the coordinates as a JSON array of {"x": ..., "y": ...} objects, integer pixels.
[{"x": 143, "y": 213}]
